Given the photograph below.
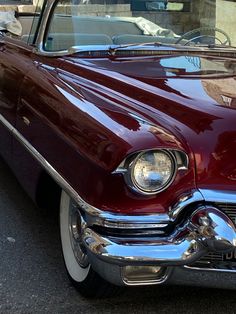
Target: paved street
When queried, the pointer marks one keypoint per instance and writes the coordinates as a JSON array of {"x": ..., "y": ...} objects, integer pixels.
[{"x": 33, "y": 279}]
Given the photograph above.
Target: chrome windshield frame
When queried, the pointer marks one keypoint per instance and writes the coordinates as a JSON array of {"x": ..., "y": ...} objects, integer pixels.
[
  {"x": 114, "y": 50},
  {"x": 49, "y": 7}
]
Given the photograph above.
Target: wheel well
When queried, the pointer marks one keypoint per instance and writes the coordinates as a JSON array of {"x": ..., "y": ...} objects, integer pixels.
[{"x": 48, "y": 193}]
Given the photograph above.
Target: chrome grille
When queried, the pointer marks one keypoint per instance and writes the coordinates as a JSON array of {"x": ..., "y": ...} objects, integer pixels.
[
  {"x": 213, "y": 256},
  {"x": 228, "y": 209}
]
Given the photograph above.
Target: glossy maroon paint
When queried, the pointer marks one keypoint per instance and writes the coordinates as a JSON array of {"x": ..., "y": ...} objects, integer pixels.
[{"x": 87, "y": 114}]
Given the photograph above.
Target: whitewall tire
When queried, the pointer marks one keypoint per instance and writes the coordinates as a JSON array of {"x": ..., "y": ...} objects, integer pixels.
[
  {"x": 80, "y": 272},
  {"x": 77, "y": 271}
]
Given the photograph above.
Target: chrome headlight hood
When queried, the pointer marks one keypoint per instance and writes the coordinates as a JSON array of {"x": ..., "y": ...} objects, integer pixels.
[{"x": 152, "y": 171}]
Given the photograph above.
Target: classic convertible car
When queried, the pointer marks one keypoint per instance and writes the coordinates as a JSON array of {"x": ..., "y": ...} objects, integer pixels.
[{"x": 122, "y": 115}]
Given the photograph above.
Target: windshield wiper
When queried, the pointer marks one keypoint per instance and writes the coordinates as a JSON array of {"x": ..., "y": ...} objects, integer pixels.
[
  {"x": 172, "y": 49},
  {"x": 111, "y": 49},
  {"x": 153, "y": 48}
]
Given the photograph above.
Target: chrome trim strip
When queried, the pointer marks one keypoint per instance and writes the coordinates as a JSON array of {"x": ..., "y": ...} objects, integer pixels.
[
  {"x": 39, "y": 51},
  {"x": 218, "y": 196},
  {"x": 219, "y": 270},
  {"x": 119, "y": 221}
]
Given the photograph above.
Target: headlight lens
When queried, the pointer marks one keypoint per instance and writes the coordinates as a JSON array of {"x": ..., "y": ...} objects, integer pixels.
[{"x": 152, "y": 171}]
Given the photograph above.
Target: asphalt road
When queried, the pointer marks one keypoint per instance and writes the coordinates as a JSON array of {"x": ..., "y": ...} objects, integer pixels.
[{"x": 33, "y": 279}]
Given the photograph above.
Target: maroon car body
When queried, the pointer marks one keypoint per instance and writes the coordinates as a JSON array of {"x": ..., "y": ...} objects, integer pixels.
[{"x": 69, "y": 121}]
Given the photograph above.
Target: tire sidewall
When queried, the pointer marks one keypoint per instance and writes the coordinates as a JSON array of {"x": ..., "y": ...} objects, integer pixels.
[{"x": 75, "y": 271}]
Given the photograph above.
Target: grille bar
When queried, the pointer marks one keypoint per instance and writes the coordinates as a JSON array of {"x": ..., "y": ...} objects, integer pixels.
[{"x": 229, "y": 209}]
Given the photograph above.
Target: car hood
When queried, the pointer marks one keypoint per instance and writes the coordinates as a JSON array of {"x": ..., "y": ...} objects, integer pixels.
[{"x": 193, "y": 98}]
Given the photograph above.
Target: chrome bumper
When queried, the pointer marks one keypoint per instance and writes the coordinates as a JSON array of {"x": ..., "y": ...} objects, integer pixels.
[
  {"x": 196, "y": 228},
  {"x": 206, "y": 229}
]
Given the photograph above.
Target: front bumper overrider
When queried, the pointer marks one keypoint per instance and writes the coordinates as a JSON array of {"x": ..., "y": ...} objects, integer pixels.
[{"x": 202, "y": 230}]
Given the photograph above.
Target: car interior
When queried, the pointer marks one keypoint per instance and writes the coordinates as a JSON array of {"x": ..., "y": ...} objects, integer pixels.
[{"x": 122, "y": 22}]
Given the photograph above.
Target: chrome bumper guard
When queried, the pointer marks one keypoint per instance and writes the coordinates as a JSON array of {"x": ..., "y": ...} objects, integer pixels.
[{"x": 206, "y": 229}]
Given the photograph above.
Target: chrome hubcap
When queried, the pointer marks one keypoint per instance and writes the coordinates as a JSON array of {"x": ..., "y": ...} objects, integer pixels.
[{"x": 75, "y": 229}]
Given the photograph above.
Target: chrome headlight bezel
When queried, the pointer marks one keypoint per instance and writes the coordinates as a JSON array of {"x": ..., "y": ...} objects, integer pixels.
[
  {"x": 178, "y": 159},
  {"x": 165, "y": 185}
]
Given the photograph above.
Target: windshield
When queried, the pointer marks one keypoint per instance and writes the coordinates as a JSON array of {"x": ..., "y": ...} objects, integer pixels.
[{"x": 103, "y": 23}]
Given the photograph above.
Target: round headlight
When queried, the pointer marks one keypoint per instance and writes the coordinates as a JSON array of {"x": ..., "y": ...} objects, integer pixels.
[{"x": 152, "y": 171}]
